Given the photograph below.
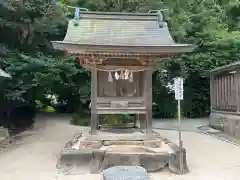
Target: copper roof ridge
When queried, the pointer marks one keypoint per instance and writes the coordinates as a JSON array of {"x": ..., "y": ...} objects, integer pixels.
[
  {"x": 120, "y": 13},
  {"x": 119, "y": 16},
  {"x": 113, "y": 45}
]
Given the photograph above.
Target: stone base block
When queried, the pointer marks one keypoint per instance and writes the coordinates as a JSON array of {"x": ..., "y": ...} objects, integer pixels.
[
  {"x": 4, "y": 132},
  {"x": 5, "y": 139},
  {"x": 125, "y": 173},
  {"x": 228, "y": 123},
  {"x": 174, "y": 162}
]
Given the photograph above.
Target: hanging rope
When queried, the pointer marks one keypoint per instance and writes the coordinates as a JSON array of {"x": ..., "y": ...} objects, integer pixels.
[
  {"x": 125, "y": 73},
  {"x": 121, "y": 69}
]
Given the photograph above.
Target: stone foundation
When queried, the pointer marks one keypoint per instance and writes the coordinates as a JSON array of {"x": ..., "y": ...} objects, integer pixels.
[
  {"x": 95, "y": 154},
  {"x": 228, "y": 123}
]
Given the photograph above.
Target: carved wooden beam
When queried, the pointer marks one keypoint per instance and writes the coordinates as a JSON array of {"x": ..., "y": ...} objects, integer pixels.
[
  {"x": 91, "y": 60},
  {"x": 96, "y": 58},
  {"x": 128, "y": 54}
]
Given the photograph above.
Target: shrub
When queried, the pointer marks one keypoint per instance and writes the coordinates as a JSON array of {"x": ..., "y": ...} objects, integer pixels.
[
  {"x": 21, "y": 117},
  {"x": 116, "y": 119},
  {"x": 80, "y": 120}
]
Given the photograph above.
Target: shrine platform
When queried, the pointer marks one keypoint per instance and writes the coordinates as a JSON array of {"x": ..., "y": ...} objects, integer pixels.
[{"x": 94, "y": 153}]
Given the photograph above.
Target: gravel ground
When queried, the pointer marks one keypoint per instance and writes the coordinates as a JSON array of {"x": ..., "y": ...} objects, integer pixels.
[{"x": 35, "y": 153}]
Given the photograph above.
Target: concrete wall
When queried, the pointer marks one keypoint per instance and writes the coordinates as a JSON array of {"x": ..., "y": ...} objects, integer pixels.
[{"x": 229, "y": 124}]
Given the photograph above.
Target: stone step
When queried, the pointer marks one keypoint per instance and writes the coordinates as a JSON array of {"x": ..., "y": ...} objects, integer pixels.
[{"x": 125, "y": 173}]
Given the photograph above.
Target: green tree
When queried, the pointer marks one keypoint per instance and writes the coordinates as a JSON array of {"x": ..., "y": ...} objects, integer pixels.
[
  {"x": 27, "y": 27},
  {"x": 115, "y": 5}
]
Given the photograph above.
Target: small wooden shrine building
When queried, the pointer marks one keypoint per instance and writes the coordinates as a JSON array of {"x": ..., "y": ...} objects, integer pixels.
[
  {"x": 225, "y": 98},
  {"x": 120, "y": 50}
]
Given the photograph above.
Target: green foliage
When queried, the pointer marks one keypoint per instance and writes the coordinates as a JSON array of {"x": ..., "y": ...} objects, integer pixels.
[
  {"x": 204, "y": 23},
  {"x": 49, "y": 109},
  {"x": 80, "y": 120},
  {"x": 115, "y": 5},
  {"x": 117, "y": 119},
  {"x": 27, "y": 27}
]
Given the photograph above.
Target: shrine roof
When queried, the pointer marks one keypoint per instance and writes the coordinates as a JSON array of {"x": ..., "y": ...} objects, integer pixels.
[{"x": 120, "y": 30}]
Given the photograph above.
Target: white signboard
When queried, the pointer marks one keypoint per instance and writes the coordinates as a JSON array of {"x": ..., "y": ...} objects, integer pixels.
[{"x": 178, "y": 88}]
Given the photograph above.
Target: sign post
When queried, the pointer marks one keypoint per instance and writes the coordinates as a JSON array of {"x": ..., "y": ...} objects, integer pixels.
[{"x": 178, "y": 88}]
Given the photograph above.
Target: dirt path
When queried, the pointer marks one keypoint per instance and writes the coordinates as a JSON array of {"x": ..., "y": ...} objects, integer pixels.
[{"x": 35, "y": 154}]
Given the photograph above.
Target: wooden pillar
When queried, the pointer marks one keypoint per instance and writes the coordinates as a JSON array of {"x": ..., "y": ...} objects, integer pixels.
[
  {"x": 225, "y": 91},
  {"x": 221, "y": 92},
  {"x": 237, "y": 78},
  {"x": 234, "y": 95},
  {"x": 218, "y": 94},
  {"x": 215, "y": 92},
  {"x": 148, "y": 100},
  {"x": 231, "y": 91},
  {"x": 94, "y": 101},
  {"x": 212, "y": 94}
]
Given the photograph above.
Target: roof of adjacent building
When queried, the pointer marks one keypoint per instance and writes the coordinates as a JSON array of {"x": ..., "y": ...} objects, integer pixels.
[
  {"x": 219, "y": 70},
  {"x": 120, "y": 29}
]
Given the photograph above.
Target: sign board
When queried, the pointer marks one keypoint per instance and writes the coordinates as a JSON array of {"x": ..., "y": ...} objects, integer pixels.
[{"x": 178, "y": 88}]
